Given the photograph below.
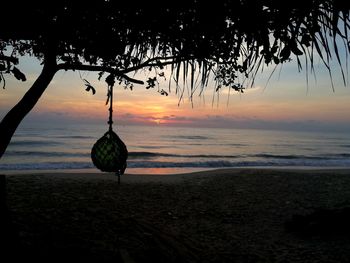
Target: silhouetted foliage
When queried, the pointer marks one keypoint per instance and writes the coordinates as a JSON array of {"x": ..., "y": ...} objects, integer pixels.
[
  {"x": 225, "y": 38},
  {"x": 196, "y": 39}
]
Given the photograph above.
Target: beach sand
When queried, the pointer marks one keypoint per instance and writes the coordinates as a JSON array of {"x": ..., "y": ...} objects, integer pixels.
[{"x": 228, "y": 215}]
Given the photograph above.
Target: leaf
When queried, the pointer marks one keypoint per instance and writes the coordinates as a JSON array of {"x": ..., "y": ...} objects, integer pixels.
[
  {"x": 18, "y": 74},
  {"x": 110, "y": 80},
  {"x": 66, "y": 58},
  {"x": 238, "y": 87},
  {"x": 151, "y": 82},
  {"x": 276, "y": 60},
  {"x": 306, "y": 40},
  {"x": 285, "y": 53},
  {"x": 100, "y": 75},
  {"x": 108, "y": 96},
  {"x": 89, "y": 87},
  {"x": 296, "y": 50},
  {"x": 163, "y": 92},
  {"x": 2, "y": 67},
  {"x": 86, "y": 82}
]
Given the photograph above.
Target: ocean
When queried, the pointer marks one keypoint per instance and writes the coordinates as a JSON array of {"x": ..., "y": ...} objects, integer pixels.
[{"x": 161, "y": 149}]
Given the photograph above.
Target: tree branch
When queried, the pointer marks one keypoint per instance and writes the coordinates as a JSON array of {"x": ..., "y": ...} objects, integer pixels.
[
  {"x": 69, "y": 66},
  {"x": 14, "y": 60},
  {"x": 158, "y": 61},
  {"x": 152, "y": 62}
]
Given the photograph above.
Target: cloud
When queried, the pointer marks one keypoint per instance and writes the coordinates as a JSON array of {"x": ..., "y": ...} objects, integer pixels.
[{"x": 232, "y": 121}]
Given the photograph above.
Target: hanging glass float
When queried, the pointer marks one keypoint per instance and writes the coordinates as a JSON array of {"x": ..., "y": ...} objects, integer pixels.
[{"x": 109, "y": 153}]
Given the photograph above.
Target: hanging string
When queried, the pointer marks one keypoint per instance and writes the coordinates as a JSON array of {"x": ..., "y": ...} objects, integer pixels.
[
  {"x": 110, "y": 81},
  {"x": 109, "y": 153},
  {"x": 110, "y": 97},
  {"x": 110, "y": 120}
]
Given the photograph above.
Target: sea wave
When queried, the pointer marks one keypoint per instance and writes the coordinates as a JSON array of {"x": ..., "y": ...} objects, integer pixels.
[
  {"x": 288, "y": 156},
  {"x": 201, "y": 164},
  {"x": 34, "y": 143},
  {"x": 46, "y": 166},
  {"x": 149, "y": 155},
  {"x": 237, "y": 156},
  {"x": 75, "y": 137},
  {"x": 225, "y": 164},
  {"x": 345, "y": 146},
  {"x": 192, "y": 137},
  {"x": 20, "y": 153}
]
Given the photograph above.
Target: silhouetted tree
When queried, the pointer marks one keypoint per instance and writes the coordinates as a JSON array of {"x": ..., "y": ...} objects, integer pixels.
[{"x": 196, "y": 39}]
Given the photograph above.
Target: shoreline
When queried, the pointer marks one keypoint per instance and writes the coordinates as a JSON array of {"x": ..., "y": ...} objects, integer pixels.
[
  {"x": 173, "y": 171},
  {"x": 173, "y": 178},
  {"x": 224, "y": 215}
]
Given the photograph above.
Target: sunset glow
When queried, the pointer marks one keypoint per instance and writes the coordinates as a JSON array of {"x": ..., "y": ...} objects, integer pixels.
[{"x": 285, "y": 101}]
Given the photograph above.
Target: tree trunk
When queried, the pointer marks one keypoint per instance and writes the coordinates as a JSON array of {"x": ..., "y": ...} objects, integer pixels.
[{"x": 14, "y": 117}]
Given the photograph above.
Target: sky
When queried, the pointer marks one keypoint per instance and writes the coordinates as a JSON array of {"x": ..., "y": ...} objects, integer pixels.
[{"x": 285, "y": 102}]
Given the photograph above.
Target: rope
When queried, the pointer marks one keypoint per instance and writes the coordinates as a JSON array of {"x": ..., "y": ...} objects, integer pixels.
[
  {"x": 109, "y": 153},
  {"x": 110, "y": 119}
]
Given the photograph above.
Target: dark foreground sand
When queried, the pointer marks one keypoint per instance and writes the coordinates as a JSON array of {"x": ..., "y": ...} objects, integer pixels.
[{"x": 233, "y": 215}]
